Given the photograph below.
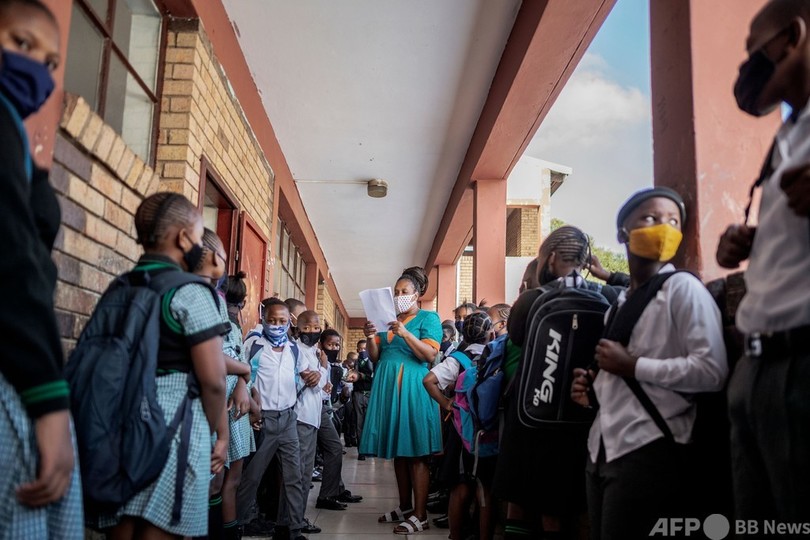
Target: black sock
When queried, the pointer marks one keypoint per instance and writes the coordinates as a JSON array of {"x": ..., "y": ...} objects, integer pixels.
[
  {"x": 215, "y": 523},
  {"x": 231, "y": 530},
  {"x": 517, "y": 529}
]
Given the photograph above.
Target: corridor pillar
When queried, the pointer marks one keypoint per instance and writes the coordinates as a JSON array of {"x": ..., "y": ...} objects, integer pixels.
[
  {"x": 704, "y": 147},
  {"x": 446, "y": 290},
  {"x": 489, "y": 241}
]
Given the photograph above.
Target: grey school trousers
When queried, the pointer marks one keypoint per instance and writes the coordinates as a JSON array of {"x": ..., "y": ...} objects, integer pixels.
[
  {"x": 308, "y": 442},
  {"x": 279, "y": 429},
  {"x": 332, "y": 449}
]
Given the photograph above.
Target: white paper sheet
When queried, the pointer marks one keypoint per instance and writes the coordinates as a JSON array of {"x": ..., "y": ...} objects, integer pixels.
[{"x": 379, "y": 307}]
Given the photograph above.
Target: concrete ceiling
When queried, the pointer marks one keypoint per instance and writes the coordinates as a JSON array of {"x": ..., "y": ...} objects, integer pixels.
[{"x": 363, "y": 89}]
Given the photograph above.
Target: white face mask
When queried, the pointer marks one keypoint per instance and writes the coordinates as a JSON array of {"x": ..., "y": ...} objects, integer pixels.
[{"x": 404, "y": 302}]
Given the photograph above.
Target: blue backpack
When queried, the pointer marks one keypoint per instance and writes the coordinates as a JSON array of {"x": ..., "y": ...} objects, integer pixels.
[
  {"x": 122, "y": 435},
  {"x": 485, "y": 396},
  {"x": 476, "y": 440}
]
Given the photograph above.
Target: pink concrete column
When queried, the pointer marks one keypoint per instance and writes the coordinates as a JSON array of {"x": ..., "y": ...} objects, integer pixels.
[
  {"x": 446, "y": 290},
  {"x": 704, "y": 146},
  {"x": 489, "y": 240}
]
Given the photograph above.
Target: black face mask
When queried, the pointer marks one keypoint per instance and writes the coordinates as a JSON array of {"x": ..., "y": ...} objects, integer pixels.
[
  {"x": 332, "y": 356},
  {"x": 362, "y": 355},
  {"x": 754, "y": 76},
  {"x": 309, "y": 338},
  {"x": 459, "y": 326},
  {"x": 194, "y": 257}
]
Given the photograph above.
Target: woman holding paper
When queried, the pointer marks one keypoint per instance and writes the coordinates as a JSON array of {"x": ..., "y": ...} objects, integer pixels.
[{"x": 402, "y": 421}]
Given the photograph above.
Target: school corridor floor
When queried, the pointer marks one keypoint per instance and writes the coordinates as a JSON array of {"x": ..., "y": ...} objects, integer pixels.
[{"x": 374, "y": 480}]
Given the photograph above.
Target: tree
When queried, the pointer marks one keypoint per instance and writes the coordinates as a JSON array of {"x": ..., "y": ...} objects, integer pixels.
[{"x": 612, "y": 261}]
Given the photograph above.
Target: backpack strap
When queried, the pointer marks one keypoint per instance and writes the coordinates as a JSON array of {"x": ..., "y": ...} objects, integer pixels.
[
  {"x": 183, "y": 419},
  {"x": 619, "y": 327},
  {"x": 256, "y": 348},
  {"x": 463, "y": 360}
]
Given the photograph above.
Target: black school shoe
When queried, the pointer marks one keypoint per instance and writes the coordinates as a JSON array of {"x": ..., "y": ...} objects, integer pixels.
[
  {"x": 330, "y": 503},
  {"x": 259, "y": 527},
  {"x": 347, "y": 497},
  {"x": 309, "y": 528}
]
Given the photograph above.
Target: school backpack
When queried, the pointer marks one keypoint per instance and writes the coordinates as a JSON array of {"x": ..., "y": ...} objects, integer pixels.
[
  {"x": 122, "y": 436},
  {"x": 564, "y": 326},
  {"x": 485, "y": 396},
  {"x": 256, "y": 348},
  {"x": 476, "y": 440}
]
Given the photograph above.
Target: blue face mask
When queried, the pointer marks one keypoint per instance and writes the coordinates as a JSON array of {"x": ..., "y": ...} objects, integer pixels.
[
  {"x": 26, "y": 83},
  {"x": 275, "y": 334}
]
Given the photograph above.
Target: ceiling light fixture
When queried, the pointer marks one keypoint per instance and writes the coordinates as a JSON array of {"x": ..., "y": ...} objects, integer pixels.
[{"x": 376, "y": 188}]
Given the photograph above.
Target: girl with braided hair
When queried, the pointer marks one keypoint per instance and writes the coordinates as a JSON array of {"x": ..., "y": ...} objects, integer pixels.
[{"x": 402, "y": 421}]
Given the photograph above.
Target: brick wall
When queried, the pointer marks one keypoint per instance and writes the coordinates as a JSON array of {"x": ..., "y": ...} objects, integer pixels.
[
  {"x": 353, "y": 335},
  {"x": 200, "y": 116},
  {"x": 465, "y": 278},
  {"x": 529, "y": 231},
  {"x": 100, "y": 183},
  {"x": 325, "y": 306},
  {"x": 513, "y": 232}
]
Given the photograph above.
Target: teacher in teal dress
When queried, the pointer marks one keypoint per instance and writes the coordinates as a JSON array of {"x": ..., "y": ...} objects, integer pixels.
[{"x": 402, "y": 421}]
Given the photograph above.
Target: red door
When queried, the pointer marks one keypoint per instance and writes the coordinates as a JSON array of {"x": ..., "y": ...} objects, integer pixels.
[{"x": 253, "y": 262}]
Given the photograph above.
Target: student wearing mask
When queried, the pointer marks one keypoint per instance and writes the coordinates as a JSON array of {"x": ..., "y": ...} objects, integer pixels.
[
  {"x": 308, "y": 408},
  {"x": 465, "y": 472},
  {"x": 279, "y": 380},
  {"x": 362, "y": 382},
  {"x": 461, "y": 313},
  {"x": 233, "y": 437},
  {"x": 40, "y": 487},
  {"x": 499, "y": 313},
  {"x": 768, "y": 400},
  {"x": 402, "y": 421},
  {"x": 333, "y": 494},
  {"x": 636, "y": 472},
  {"x": 170, "y": 229}
]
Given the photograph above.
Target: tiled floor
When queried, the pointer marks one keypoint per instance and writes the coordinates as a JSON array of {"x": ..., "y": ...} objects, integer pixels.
[{"x": 374, "y": 480}]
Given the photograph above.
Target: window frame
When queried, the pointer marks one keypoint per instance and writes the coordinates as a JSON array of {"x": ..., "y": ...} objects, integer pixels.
[
  {"x": 298, "y": 263},
  {"x": 109, "y": 47}
]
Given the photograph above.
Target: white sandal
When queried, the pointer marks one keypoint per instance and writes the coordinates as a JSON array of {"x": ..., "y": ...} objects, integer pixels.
[
  {"x": 412, "y": 525},
  {"x": 397, "y": 514}
]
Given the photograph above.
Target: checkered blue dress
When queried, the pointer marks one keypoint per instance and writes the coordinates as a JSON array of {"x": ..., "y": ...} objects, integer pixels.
[
  {"x": 19, "y": 456},
  {"x": 241, "y": 443}
]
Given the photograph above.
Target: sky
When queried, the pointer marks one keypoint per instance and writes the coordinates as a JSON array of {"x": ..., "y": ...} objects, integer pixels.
[{"x": 601, "y": 125}]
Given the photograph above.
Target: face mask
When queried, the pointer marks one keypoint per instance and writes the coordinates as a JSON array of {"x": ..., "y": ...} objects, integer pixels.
[
  {"x": 309, "y": 338},
  {"x": 404, "y": 302},
  {"x": 26, "y": 83},
  {"x": 194, "y": 257},
  {"x": 657, "y": 243},
  {"x": 459, "y": 326},
  {"x": 754, "y": 76},
  {"x": 332, "y": 355},
  {"x": 275, "y": 334},
  {"x": 362, "y": 355}
]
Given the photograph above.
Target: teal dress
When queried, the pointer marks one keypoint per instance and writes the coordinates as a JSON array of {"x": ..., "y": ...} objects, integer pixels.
[{"x": 402, "y": 420}]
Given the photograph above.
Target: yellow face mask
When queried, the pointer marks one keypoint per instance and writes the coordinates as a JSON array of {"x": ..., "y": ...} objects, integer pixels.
[{"x": 658, "y": 243}]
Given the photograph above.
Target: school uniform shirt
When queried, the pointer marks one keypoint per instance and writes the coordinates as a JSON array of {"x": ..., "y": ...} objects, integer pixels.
[
  {"x": 448, "y": 370},
  {"x": 276, "y": 376},
  {"x": 309, "y": 404},
  {"x": 678, "y": 341},
  {"x": 777, "y": 280}
]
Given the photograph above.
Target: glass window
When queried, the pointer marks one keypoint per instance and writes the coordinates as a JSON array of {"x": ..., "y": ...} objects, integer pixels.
[
  {"x": 290, "y": 271},
  {"x": 112, "y": 61}
]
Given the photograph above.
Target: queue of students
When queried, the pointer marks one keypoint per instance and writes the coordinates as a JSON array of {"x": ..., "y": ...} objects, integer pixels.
[{"x": 662, "y": 348}]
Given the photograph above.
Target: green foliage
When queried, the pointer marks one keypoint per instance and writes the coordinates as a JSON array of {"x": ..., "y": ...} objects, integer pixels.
[{"x": 612, "y": 261}]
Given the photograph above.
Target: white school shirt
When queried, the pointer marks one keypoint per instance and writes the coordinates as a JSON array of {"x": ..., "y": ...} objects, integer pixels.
[
  {"x": 679, "y": 344},
  {"x": 448, "y": 369},
  {"x": 309, "y": 404},
  {"x": 778, "y": 276},
  {"x": 276, "y": 377}
]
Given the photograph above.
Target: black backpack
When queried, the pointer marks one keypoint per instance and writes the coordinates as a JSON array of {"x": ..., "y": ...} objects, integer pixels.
[
  {"x": 122, "y": 435},
  {"x": 563, "y": 328}
]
